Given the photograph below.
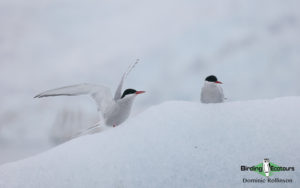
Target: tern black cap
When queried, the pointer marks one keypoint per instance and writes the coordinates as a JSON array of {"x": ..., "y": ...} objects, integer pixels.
[
  {"x": 211, "y": 78},
  {"x": 128, "y": 92}
]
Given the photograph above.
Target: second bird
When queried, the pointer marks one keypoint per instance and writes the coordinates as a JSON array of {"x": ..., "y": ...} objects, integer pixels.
[{"x": 212, "y": 92}]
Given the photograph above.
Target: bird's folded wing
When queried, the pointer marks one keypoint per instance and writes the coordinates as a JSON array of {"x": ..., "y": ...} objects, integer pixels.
[
  {"x": 221, "y": 91},
  {"x": 100, "y": 94},
  {"x": 118, "y": 93}
]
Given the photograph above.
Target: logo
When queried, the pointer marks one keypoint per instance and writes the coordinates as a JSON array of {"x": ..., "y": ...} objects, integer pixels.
[{"x": 267, "y": 169}]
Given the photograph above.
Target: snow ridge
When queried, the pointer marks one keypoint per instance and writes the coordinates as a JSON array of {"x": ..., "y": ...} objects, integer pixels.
[{"x": 175, "y": 144}]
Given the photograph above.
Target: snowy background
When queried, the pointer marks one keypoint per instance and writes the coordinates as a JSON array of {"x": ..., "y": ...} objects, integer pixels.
[{"x": 253, "y": 46}]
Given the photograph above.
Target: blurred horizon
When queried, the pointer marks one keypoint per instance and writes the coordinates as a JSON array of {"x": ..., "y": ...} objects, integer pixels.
[{"x": 251, "y": 46}]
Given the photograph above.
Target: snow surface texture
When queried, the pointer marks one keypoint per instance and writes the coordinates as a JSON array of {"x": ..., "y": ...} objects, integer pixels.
[{"x": 175, "y": 144}]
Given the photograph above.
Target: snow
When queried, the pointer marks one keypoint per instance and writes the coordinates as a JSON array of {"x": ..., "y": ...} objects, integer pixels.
[{"x": 174, "y": 144}]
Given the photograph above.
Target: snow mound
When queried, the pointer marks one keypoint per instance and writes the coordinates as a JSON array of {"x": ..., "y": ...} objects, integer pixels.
[{"x": 175, "y": 144}]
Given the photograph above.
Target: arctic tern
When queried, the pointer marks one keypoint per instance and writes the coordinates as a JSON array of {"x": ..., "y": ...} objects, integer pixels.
[
  {"x": 113, "y": 110},
  {"x": 212, "y": 92}
]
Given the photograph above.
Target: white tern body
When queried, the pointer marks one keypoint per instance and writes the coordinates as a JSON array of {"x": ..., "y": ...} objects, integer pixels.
[{"x": 212, "y": 93}]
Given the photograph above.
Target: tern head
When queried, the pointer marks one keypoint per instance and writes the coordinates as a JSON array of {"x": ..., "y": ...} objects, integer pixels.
[
  {"x": 212, "y": 79},
  {"x": 131, "y": 92}
]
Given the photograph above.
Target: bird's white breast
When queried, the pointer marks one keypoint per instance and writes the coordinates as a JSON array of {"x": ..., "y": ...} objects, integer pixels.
[
  {"x": 212, "y": 93},
  {"x": 119, "y": 112}
]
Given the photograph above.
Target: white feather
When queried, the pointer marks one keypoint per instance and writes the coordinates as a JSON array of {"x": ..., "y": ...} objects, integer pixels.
[
  {"x": 101, "y": 94},
  {"x": 118, "y": 93}
]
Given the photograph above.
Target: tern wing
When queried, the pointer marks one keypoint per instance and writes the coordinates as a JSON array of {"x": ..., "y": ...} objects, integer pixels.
[
  {"x": 221, "y": 92},
  {"x": 100, "y": 94},
  {"x": 118, "y": 93}
]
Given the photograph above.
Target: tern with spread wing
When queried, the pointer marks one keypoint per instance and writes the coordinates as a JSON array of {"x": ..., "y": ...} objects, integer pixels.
[{"x": 114, "y": 110}]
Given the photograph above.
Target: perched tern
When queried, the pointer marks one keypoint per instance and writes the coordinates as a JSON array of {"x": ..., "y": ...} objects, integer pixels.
[
  {"x": 113, "y": 110},
  {"x": 212, "y": 92}
]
